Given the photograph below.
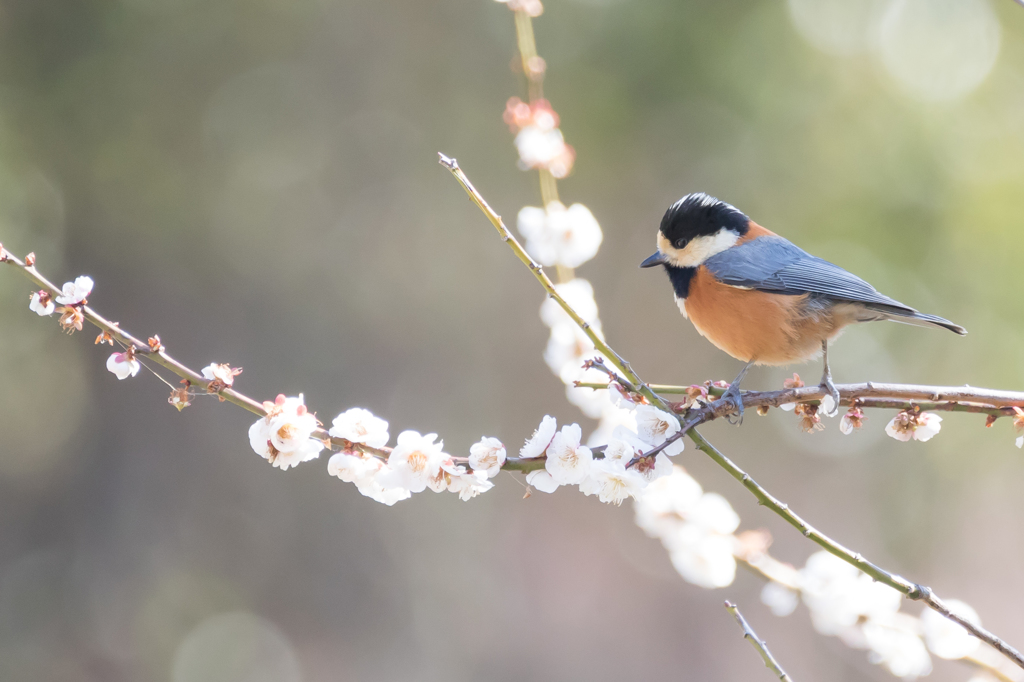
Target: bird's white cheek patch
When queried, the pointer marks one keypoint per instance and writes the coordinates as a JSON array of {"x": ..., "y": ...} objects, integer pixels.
[
  {"x": 702, "y": 248},
  {"x": 681, "y": 302}
]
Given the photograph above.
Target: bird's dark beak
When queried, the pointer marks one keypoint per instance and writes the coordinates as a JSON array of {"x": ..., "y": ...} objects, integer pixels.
[{"x": 657, "y": 259}]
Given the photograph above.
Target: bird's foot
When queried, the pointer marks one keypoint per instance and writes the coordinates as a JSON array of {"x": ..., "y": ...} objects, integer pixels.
[
  {"x": 733, "y": 394},
  {"x": 830, "y": 403}
]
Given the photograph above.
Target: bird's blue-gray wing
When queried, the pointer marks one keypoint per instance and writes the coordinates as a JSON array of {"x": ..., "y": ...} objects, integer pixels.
[{"x": 776, "y": 265}]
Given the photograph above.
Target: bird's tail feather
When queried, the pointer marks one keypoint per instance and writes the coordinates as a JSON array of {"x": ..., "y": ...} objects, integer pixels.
[{"x": 911, "y": 316}]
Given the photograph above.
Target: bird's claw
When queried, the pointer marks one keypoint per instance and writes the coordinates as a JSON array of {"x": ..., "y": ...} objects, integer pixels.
[
  {"x": 733, "y": 394},
  {"x": 832, "y": 392}
]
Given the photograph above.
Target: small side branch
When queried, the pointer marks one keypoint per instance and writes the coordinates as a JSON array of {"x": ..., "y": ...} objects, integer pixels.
[
  {"x": 159, "y": 356},
  {"x": 759, "y": 644}
]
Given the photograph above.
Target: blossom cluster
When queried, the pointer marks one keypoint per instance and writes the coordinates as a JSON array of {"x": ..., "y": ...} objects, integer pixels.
[
  {"x": 556, "y": 235},
  {"x": 609, "y": 476},
  {"x": 697, "y": 529},
  {"x": 908, "y": 424},
  {"x": 539, "y": 140},
  {"x": 71, "y": 299},
  {"x": 285, "y": 437},
  {"x": 694, "y": 526},
  {"x": 864, "y": 614}
]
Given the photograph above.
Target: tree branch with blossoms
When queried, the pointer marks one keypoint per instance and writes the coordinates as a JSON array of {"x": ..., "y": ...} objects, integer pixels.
[
  {"x": 286, "y": 434},
  {"x": 673, "y": 433}
]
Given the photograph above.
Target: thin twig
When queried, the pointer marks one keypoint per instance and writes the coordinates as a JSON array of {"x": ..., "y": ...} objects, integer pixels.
[
  {"x": 909, "y": 589},
  {"x": 161, "y": 357},
  {"x": 757, "y": 643},
  {"x": 545, "y": 281}
]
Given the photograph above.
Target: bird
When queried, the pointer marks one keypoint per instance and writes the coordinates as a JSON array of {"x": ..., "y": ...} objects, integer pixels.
[{"x": 759, "y": 297}]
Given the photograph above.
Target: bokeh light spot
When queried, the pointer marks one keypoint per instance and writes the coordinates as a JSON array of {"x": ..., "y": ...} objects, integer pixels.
[
  {"x": 235, "y": 647},
  {"x": 841, "y": 27},
  {"x": 939, "y": 49}
]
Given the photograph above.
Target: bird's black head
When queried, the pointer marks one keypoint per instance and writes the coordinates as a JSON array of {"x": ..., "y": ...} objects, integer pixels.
[
  {"x": 700, "y": 215},
  {"x": 695, "y": 228}
]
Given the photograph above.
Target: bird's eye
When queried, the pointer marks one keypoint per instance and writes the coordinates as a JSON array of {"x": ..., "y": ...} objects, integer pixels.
[{"x": 680, "y": 243}]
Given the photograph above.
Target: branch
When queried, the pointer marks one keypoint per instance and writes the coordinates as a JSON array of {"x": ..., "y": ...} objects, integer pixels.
[
  {"x": 909, "y": 589},
  {"x": 160, "y": 357},
  {"x": 759, "y": 644},
  {"x": 620, "y": 364},
  {"x": 870, "y": 394}
]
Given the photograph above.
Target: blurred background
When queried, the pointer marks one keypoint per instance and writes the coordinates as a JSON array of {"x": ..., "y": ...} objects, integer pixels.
[{"x": 257, "y": 182}]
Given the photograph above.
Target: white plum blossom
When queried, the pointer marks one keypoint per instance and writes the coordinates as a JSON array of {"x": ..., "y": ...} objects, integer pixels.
[
  {"x": 611, "y": 481},
  {"x": 652, "y": 471},
  {"x": 714, "y": 513},
  {"x": 414, "y": 462},
  {"x": 283, "y": 436},
  {"x": 123, "y": 365},
  {"x": 221, "y": 375},
  {"x": 625, "y": 444},
  {"x": 929, "y": 425},
  {"x": 556, "y": 235},
  {"x": 73, "y": 293},
  {"x": 291, "y": 427},
  {"x": 42, "y": 303},
  {"x": 780, "y": 599},
  {"x": 898, "y": 649},
  {"x": 696, "y": 528},
  {"x": 839, "y": 595},
  {"x": 852, "y": 420},
  {"x": 612, "y": 417},
  {"x": 1020, "y": 442},
  {"x": 364, "y": 471},
  {"x": 907, "y": 425},
  {"x": 579, "y": 294},
  {"x": 487, "y": 456},
  {"x": 828, "y": 406},
  {"x": 544, "y": 148},
  {"x": 469, "y": 484},
  {"x": 702, "y": 558},
  {"x": 540, "y": 440},
  {"x": 947, "y": 639},
  {"x": 675, "y": 495},
  {"x": 568, "y": 461},
  {"x": 542, "y": 481},
  {"x": 654, "y": 426},
  {"x": 357, "y": 425},
  {"x": 445, "y": 473},
  {"x": 353, "y": 466},
  {"x": 618, "y": 449}
]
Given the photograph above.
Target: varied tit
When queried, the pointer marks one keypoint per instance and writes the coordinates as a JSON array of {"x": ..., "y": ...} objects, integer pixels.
[{"x": 759, "y": 297}]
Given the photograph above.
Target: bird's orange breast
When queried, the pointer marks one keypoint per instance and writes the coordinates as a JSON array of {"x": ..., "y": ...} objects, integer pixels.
[{"x": 769, "y": 329}]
